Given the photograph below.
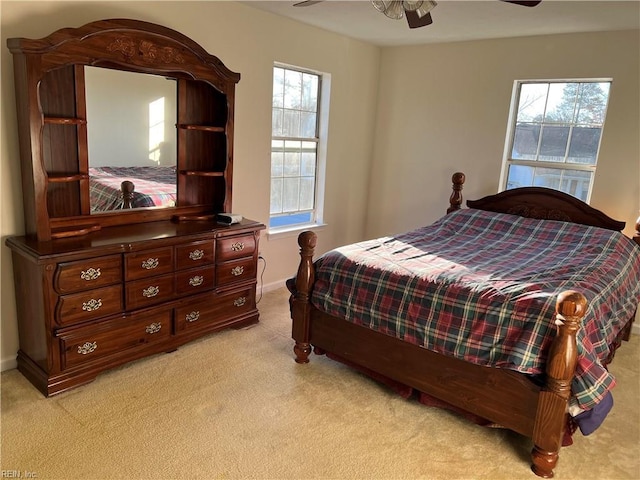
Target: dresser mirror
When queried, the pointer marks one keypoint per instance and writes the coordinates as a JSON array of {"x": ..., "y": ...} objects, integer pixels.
[
  {"x": 89, "y": 163},
  {"x": 131, "y": 136}
]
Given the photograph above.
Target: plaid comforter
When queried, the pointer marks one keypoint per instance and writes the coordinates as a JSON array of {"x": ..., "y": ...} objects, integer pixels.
[
  {"x": 482, "y": 287},
  {"x": 154, "y": 186}
]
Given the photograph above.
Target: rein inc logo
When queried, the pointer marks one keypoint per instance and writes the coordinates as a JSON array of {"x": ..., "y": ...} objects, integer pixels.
[{"x": 17, "y": 474}]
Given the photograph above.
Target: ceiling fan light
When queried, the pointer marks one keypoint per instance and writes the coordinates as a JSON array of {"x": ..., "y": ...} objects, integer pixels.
[
  {"x": 391, "y": 8},
  {"x": 425, "y": 8},
  {"x": 380, "y": 5},
  {"x": 411, "y": 6}
]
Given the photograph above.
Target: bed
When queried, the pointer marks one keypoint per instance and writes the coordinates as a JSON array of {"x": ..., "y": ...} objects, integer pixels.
[
  {"x": 115, "y": 188},
  {"x": 519, "y": 348}
]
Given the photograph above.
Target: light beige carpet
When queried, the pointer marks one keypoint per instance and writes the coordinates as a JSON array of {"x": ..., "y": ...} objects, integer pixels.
[{"x": 236, "y": 406}]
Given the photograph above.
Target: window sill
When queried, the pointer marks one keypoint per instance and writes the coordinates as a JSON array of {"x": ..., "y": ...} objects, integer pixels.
[{"x": 285, "y": 232}]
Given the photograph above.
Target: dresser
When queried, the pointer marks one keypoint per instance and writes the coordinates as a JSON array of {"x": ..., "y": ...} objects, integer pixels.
[
  {"x": 113, "y": 269},
  {"x": 91, "y": 303}
]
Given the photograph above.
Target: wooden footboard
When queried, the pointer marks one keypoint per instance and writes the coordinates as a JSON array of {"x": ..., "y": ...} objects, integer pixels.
[{"x": 502, "y": 396}]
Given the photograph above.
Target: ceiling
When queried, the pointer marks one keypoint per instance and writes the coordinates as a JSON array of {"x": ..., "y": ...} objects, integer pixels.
[{"x": 461, "y": 20}]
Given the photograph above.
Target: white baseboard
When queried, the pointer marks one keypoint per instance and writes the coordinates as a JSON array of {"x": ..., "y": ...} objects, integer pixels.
[{"x": 8, "y": 364}]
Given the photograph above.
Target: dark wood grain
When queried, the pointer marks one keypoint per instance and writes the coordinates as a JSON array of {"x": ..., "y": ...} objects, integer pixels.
[
  {"x": 50, "y": 91},
  {"x": 96, "y": 291}
]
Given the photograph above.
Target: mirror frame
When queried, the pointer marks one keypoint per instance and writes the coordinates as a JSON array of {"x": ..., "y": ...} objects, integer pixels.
[{"x": 121, "y": 44}]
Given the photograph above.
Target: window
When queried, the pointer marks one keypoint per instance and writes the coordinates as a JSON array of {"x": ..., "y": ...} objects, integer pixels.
[
  {"x": 297, "y": 147},
  {"x": 554, "y": 135}
]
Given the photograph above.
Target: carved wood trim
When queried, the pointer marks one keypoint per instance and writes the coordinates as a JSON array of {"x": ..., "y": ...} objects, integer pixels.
[{"x": 546, "y": 204}]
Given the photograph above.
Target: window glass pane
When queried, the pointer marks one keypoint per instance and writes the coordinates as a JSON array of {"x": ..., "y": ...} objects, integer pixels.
[
  {"x": 592, "y": 103},
  {"x": 533, "y": 97},
  {"x": 525, "y": 142},
  {"x": 307, "y": 192},
  {"x": 576, "y": 183},
  {"x": 561, "y": 103},
  {"x": 290, "y": 194},
  {"x": 547, "y": 177},
  {"x": 307, "y": 125},
  {"x": 553, "y": 145},
  {"x": 310, "y": 92},
  {"x": 308, "y": 164},
  {"x": 277, "y": 163},
  {"x": 276, "y": 195},
  {"x": 292, "y": 89},
  {"x": 278, "y": 87},
  {"x": 291, "y": 163},
  {"x": 584, "y": 143},
  {"x": 276, "y": 122},
  {"x": 519, "y": 176},
  {"x": 573, "y": 182},
  {"x": 291, "y": 123}
]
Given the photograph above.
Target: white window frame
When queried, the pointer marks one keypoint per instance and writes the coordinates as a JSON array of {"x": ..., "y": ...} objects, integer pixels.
[
  {"x": 511, "y": 130},
  {"x": 317, "y": 216}
]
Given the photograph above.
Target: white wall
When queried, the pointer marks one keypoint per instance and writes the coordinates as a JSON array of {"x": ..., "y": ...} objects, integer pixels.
[
  {"x": 248, "y": 41},
  {"x": 444, "y": 108}
]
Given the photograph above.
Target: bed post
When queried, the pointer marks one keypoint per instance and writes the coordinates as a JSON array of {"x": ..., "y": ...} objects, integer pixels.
[
  {"x": 455, "y": 200},
  {"x": 560, "y": 369},
  {"x": 127, "y": 188},
  {"x": 301, "y": 306}
]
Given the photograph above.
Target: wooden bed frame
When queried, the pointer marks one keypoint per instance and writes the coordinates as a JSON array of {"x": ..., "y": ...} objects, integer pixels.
[{"x": 505, "y": 397}]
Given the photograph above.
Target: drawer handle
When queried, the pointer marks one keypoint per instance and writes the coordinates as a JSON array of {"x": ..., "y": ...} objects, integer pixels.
[
  {"x": 240, "y": 301},
  {"x": 192, "y": 317},
  {"x": 153, "y": 328},
  {"x": 150, "y": 263},
  {"x": 236, "y": 271},
  {"x": 196, "y": 254},
  {"x": 150, "y": 291},
  {"x": 196, "y": 281},
  {"x": 236, "y": 247},
  {"x": 90, "y": 274},
  {"x": 87, "y": 348},
  {"x": 92, "y": 305}
]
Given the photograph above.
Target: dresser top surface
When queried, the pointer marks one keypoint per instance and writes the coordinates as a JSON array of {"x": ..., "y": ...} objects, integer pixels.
[{"x": 127, "y": 238}]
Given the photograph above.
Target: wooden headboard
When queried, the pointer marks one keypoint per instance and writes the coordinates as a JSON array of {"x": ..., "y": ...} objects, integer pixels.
[{"x": 536, "y": 202}]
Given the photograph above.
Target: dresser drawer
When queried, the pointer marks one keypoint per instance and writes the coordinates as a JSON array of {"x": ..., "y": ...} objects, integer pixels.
[
  {"x": 235, "y": 271},
  {"x": 87, "y": 274},
  {"x": 97, "y": 303},
  {"x": 148, "y": 263},
  {"x": 149, "y": 291},
  {"x": 194, "y": 254},
  {"x": 215, "y": 310},
  {"x": 195, "y": 281},
  {"x": 235, "y": 247},
  {"x": 99, "y": 340}
]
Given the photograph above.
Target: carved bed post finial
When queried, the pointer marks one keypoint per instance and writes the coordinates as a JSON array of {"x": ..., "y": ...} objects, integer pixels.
[
  {"x": 455, "y": 200},
  {"x": 571, "y": 307},
  {"x": 300, "y": 305},
  {"x": 127, "y": 188}
]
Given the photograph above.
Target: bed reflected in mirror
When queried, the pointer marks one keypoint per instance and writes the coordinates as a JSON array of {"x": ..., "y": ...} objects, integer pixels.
[{"x": 131, "y": 136}]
